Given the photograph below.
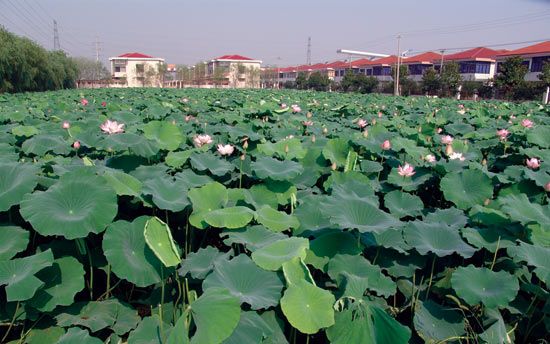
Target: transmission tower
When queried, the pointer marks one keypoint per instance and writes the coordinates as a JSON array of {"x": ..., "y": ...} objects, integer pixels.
[
  {"x": 308, "y": 60},
  {"x": 56, "y": 45}
]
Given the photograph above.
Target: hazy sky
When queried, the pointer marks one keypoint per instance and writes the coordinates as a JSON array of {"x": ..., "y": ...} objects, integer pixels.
[{"x": 276, "y": 32}]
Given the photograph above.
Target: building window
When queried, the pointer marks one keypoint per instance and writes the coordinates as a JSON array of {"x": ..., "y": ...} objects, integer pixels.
[
  {"x": 377, "y": 70},
  {"x": 140, "y": 68},
  {"x": 417, "y": 69},
  {"x": 483, "y": 67},
  {"x": 369, "y": 71},
  {"x": 538, "y": 62},
  {"x": 386, "y": 70},
  {"x": 120, "y": 69}
]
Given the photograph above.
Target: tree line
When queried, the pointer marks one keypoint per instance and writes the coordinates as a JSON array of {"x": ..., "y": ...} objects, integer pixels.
[{"x": 26, "y": 66}]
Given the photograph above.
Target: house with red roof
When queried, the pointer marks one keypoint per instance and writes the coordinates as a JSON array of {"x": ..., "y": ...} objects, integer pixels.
[
  {"x": 418, "y": 64},
  {"x": 477, "y": 64},
  {"x": 533, "y": 56},
  {"x": 137, "y": 70},
  {"x": 234, "y": 71}
]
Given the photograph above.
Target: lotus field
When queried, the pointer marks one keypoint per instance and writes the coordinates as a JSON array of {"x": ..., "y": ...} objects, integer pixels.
[{"x": 255, "y": 216}]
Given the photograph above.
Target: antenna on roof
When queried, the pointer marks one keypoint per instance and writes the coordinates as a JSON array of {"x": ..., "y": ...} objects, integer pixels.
[{"x": 308, "y": 59}]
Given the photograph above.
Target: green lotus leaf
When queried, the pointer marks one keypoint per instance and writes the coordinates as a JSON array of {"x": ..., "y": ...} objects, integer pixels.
[
  {"x": 24, "y": 130},
  {"x": 475, "y": 285},
  {"x": 308, "y": 308},
  {"x": 180, "y": 332},
  {"x": 272, "y": 256},
  {"x": 521, "y": 209},
  {"x": 534, "y": 255},
  {"x": 216, "y": 313},
  {"x": 167, "y": 194},
  {"x": 434, "y": 323},
  {"x": 253, "y": 237},
  {"x": 78, "y": 335},
  {"x": 295, "y": 270},
  {"x": 97, "y": 315},
  {"x": 178, "y": 159},
  {"x": 402, "y": 204},
  {"x": 78, "y": 204},
  {"x": 201, "y": 263},
  {"x": 123, "y": 183},
  {"x": 285, "y": 149},
  {"x": 409, "y": 183},
  {"x": 13, "y": 240},
  {"x": 359, "y": 266},
  {"x": 133, "y": 143},
  {"x": 358, "y": 213},
  {"x": 209, "y": 197},
  {"x": 259, "y": 195},
  {"x": 276, "y": 325},
  {"x": 467, "y": 188},
  {"x": 231, "y": 217},
  {"x": 167, "y": 135},
  {"x": 19, "y": 275},
  {"x": 439, "y": 238},
  {"x": 310, "y": 214},
  {"x": 497, "y": 333},
  {"x": 41, "y": 144},
  {"x": 212, "y": 163},
  {"x": 48, "y": 335},
  {"x": 336, "y": 150},
  {"x": 488, "y": 238},
  {"x": 245, "y": 280},
  {"x": 149, "y": 331},
  {"x": 328, "y": 245},
  {"x": 159, "y": 239},
  {"x": 192, "y": 180},
  {"x": 539, "y": 136},
  {"x": 16, "y": 180},
  {"x": 274, "y": 220},
  {"x": 63, "y": 280},
  {"x": 265, "y": 167},
  {"x": 251, "y": 329},
  {"x": 130, "y": 258}
]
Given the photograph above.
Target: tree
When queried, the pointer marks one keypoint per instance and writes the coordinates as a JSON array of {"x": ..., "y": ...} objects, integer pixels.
[
  {"x": 318, "y": 81},
  {"x": 544, "y": 76},
  {"x": 430, "y": 81},
  {"x": 301, "y": 81},
  {"x": 405, "y": 84},
  {"x": 252, "y": 77},
  {"x": 511, "y": 75},
  {"x": 450, "y": 78},
  {"x": 358, "y": 83},
  {"x": 89, "y": 69}
]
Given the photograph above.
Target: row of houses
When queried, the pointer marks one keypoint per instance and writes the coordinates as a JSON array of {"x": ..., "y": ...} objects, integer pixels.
[
  {"x": 477, "y": 64},
  {"x": 237, "y": 71}
]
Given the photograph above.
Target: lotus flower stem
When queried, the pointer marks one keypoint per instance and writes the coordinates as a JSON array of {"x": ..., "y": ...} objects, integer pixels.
[
  {"x": 161, "y": 300},
  {"x": 495, "y": 255},
  {"x": 431, "y": 279},
  {"x": 11, "y": 323},
  {"x": 108, "y": 286}
]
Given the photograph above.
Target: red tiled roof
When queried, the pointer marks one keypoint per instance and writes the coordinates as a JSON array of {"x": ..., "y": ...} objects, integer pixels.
[
  {"x": 472, "y": 54},
  {"x": 385, "y": 61},
  {"x": 136, "y": 55},
  {"x": 539, "y": 48},
  {"x": 234, "y": 57},
  {"x": 424, "y": 57}
]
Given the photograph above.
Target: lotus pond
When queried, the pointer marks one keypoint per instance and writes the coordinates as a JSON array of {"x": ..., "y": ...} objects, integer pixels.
[{"x": 255, "y": 216}]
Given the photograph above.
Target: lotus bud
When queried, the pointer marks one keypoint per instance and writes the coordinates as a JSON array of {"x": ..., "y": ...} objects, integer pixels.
[
  {"x": 486, "y": 202},
  {"x": 309, "y": 115},
  {"x": 243, "y": 156},
  {"x": 547, "y": 187},
  {"x": 365, "y": 133},
  {"x": 333, "y": 166},
  {"x": 286, "y": 149},
  {"x": 245, "y": 144},
  {"x": 373, "y": 122},
  {"x": 313, "y": 138},
  {"x": 419, "y": 129},
  {"x": 484, "y": 162},
  {"x": 174, "y": 122},
  {"x": 76, "y": 145},
  {"x": 325, "y": 130},
  {"x": 449, "y": 150}
]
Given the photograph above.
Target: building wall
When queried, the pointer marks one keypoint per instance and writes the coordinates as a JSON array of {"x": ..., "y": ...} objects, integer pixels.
[
  {"x": 148, "y": 77},
  {"x": 238, "y": 74}
]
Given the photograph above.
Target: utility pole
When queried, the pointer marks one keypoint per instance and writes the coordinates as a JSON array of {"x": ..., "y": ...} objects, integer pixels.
[
  {"x": 441, "y": 64},
  {"x": 56, "y": 45},
  {"x": 308, "y": 59},
  {"x": 396, "y": 83},
  {"x": 97, "y": 49}
]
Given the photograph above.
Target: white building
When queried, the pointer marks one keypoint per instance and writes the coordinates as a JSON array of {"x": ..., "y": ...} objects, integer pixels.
[
  {"x": 234, "y": 71},
  {"x": 533, "y": 56},
  {"x": 137, "y": 70}
]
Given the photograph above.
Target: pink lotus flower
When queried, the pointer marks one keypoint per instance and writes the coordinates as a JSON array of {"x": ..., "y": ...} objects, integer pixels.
[
  {"x": 112, "y": 127},
  {"x": 76, "y": 145},
  {"x": 533, "y": 163},
  {"x": 447, "y": 139},
  {"x": 104, "y": 104},
  {"x": 307, "y": 123},
  {"x": 184, "y": 100},
  {"x": 66, "y": 125},
  {"x": 380, "y": 114},
  {"x": 189, "y": 118},
  {"x": 429, "y": 158},
  {"x": 406, "y": 170},
  {"x": 284, "y": 106},
  {"x": 461, "y": 106},
  {"x": 503, "y": 134},
  {"x": 547, "y": 187},
  {"x": 439, "y": 130},
  {"x": 386, "y": 145},
  {"x": 225, "y": 149},
  {"x": 201, "y": 140},
  {"x": 527, "y": 123},
  {"x": 295, "y": 108},
  {"x": 456, "y": 156},
  {"x": 362, "y": 123},
  {"x": 84, "y": 101}
]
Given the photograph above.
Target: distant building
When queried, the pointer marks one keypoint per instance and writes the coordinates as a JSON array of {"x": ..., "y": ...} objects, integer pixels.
[
  {"x": 234, "y": 71},
  {"x": 137, "y": 70},
  {"x": 533, "y": 56},
  {"x": 478, "y": 64},
  {"x": 419, "y": 63}
]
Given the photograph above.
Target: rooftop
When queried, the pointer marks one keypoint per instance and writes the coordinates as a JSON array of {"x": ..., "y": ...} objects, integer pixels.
[
  {"x": 474, "y": 54},
  {"x": 136, "y": 55},
  {"x": 234, "y": 57},
  {"x": 539, "y": 48}
]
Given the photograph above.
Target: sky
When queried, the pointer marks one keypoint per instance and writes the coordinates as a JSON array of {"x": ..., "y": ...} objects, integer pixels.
[{"x": 276, "y": 32}]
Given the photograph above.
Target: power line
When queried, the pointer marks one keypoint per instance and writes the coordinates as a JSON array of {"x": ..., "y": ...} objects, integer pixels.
[{"x": 22, "y": 15}]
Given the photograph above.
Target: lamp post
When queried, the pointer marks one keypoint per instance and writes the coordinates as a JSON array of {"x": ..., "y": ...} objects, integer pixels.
[{"x": 396, "y": 83}]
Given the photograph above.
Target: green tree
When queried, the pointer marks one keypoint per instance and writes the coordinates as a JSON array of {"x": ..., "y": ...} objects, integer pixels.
[
  {"x": 301, "y": 81},
  {"x": 89, "y": 69},
  {"x": 358, "y": 83},
  {"x": 405, "y": 84},
  {"x": 511, "y": 75},
  {"x": 430, "y": 81},
  {"x": 318, "y": 81},
  {"x": 450, "y": 78},
  {"x": 544, "y": 76}
]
